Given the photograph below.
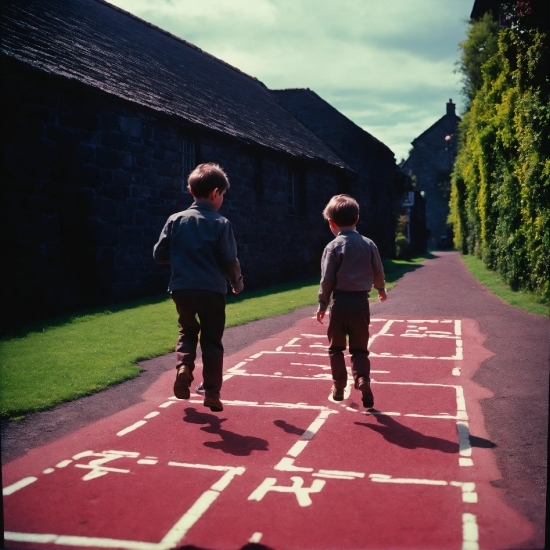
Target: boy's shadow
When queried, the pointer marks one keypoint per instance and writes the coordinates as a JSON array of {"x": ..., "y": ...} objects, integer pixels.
[
  {"x": 396, "y": 433},
  {"x": 288, "y": 428},
  {"x": 232, "y": 443}
]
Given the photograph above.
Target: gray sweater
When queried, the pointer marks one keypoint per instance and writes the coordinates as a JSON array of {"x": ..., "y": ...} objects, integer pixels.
[
  {"x": 199, "y": 245},
  {"x": 350, "y": 262}
]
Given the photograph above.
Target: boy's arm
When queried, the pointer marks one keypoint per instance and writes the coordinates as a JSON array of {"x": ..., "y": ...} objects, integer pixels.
[
  {"x": 228, "y": 253},
  {"x": 328, "y": 282},
  {"x": 379, "y": 282},
  {"x": 161, "y": 251}
]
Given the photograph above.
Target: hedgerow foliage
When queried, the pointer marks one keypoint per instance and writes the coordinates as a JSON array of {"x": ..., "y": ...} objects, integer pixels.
[{"x": 500, "y": 189}]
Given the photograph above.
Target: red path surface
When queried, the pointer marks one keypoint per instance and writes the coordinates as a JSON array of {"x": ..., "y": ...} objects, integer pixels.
[{"x": 283, "y": 465}]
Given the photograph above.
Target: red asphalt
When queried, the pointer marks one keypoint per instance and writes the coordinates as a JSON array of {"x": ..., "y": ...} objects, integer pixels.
[{"x": 283, "y": 466}]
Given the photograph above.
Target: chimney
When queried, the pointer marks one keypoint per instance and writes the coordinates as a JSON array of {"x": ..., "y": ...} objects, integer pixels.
[{"x": 451, "y": 107}]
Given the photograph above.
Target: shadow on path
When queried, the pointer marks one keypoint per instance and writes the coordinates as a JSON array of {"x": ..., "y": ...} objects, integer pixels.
[
  {"x": 397, "y": 434},
  {"x": 288, "y": 428},
  {"x": 231, "y": 442}
]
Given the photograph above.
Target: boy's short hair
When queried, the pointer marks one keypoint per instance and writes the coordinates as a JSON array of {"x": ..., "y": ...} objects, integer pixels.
[
  {"x": 205, "y": 178},
  {"x": 343, "y": 210}
]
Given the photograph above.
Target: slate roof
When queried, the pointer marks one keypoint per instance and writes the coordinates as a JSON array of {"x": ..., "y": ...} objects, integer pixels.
[
  {"x": 107, "y": 48},
  {"x": 317, "y": 114}
]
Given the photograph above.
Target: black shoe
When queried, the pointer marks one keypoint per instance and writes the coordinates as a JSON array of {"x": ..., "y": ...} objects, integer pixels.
[
  {"x": 363, "y": 385},
  {"x": 215, "y": 405},
  {"x": 184, "y": 377},
  {"x": 337, "y": 393}
]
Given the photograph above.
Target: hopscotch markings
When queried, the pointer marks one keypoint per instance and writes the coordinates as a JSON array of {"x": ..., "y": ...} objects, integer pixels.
[
  {"x": 416, "y": 329},
  {"x": 460, "y": 402},
  {"x": 292, "y": 343},
  {"x": 469, "y": 494},
  {"x": 170, "y": 540},
  {"x": 10, "y": 489},
  {"x": 470, "y": 532},
  {"x": 302, "y": 493}
]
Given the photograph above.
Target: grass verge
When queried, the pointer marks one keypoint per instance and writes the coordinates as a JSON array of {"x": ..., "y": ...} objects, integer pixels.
[
  {"x": 74, "y": 356},
  {"x": 492, "y": 280}
]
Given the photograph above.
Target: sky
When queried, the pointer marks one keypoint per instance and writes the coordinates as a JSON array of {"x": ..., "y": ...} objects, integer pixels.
[{"x": 388, "y": 65}]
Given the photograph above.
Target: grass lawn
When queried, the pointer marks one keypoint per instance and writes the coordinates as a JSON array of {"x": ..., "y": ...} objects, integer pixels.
[
  {"x": 520, "y": 299},
  {"x": 66, "y": 358}
]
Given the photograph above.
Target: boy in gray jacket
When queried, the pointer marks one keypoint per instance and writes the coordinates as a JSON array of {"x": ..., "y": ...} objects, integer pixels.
[
  {"x": 199, "y": 245},
  {"x": 350, "y": 267}
]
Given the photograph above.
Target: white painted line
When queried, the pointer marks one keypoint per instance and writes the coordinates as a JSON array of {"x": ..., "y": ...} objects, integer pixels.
[
  {"x": 322, "y": 336},
  {"x": 201, "y": 505},
  {"x": 465, "y": 462},
  {"x": 152, "y": 414},
  {"x": 332, "y": 476},
  {"x": 298, "y": 447},
  {"x": 147, "y": 461},
  {"x": 190, "y": 518},
  {"x": 378, "y": 413},
  {"x": 131, "y": 428},
  {"x": 406, "y": 481},
  {"x": 326, "y": 367},
  {"x": 63, "y": 463},
  {"x": 456, "y": 371},
  {"x": 49, "y": 471},
  {"x": 292, "y": 343},
  {"x": 339, "y": 473},
  {"x": 458, "y": 327},
  {"x": 317, "y": 423},
  {"x": 10, "y": 489},
  {"x": 279, "y": 348},
  {"x": 287, "y": 465},
  {"x": 237, "y": 366},
  {"x": 167, "y": 404},
  {"x": 326, "y": 376},
  {"x": 95, "y": 542},
  {"x": 470, "y": 532},
  {"x": 463, "y": 429},
  {"x": 227, "y": 477},
  {"x": 201, "y": 466}
]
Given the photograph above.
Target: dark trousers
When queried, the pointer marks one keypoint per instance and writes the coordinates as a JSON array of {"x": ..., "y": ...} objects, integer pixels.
[
  {"x": 349, "y": 316},
  {"x": 201, "y": 312}
]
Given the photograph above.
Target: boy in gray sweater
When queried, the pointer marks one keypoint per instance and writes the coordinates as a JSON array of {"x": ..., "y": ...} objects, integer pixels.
[
  {"x": 350, "y": 268},
  {"x": 199, "y": 245}
]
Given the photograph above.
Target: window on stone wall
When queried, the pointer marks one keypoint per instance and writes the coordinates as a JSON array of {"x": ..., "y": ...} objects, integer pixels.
[
  {"x": 296, "y": 190},
  {"x": 188, "y": 160}
]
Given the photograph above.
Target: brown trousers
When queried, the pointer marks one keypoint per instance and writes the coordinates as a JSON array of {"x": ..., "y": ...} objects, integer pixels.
[
  {"x": 349, "y": 317},
  {"x": 201, "y": 312}
]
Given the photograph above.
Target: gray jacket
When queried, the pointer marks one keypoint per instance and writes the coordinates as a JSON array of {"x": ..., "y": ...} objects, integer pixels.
[
  {"x": 350, "y": 262},
  {"x": 199, "y": 245}
]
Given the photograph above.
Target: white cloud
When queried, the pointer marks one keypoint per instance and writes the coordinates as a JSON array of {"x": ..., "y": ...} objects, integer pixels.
[{"x": 388, "y": 66}]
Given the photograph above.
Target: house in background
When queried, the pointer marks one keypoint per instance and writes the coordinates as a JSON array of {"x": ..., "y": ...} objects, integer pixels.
[
  {"x": 377, "y": 185},
  {"x": 430, "y": 164}
]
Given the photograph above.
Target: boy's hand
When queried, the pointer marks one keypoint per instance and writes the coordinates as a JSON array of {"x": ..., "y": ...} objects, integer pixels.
[
  {"x": 382, "y": 296},
  {"x": 321, "y": 315},
  {"x": 238, "y": 286}
]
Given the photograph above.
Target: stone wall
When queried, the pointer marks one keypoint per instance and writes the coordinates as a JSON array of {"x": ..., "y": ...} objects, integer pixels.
[{"x": 88, "y": 181}]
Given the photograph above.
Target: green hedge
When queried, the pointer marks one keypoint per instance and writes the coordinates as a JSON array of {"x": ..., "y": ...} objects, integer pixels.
[{"x": 500, "y": 194}]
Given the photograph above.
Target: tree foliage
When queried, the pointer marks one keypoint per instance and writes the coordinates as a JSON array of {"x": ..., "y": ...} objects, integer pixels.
[{"x": 500, "y": 190}]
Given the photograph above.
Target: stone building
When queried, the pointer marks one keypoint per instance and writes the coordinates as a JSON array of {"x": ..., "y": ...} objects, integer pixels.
[
  {"x": 377, "y": 186},
  {"x": 104, "y": 116},
  {"x": 430, "y": 164}
]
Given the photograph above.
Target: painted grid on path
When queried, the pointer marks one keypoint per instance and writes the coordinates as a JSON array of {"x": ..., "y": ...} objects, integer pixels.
[{"x": 288, "y": 455}]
